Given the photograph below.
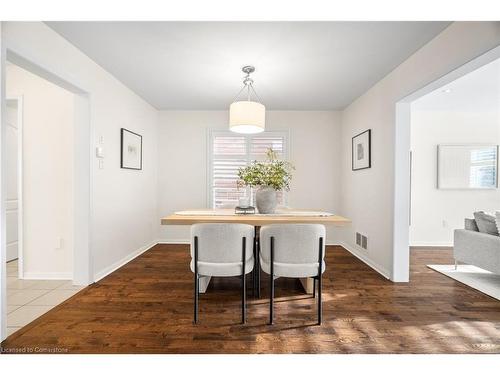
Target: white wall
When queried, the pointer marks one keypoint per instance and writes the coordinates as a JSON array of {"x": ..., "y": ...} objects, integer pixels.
[
  {"x": 314, "y": 150},
  {"x": 368, "y": 195},
  {"x": 47, "y": 174},
  {"x": 124, "y": 202},
  {"x": 436, "y": 213}
]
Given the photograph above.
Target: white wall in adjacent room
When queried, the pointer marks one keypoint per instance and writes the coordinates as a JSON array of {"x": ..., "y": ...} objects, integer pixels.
[
  {"x": 314, "y": 149},
  {"x": 47, "y": 169},
  {"x": 467, "y": 112},
  {"x": 124, "y": 202},
  {"x": 437, "y": 212},
  {"x": 367, "y": 196}
]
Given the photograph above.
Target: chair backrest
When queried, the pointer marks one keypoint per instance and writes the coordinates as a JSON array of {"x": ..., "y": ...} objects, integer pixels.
[
  {"x": 222, "y": 243},
  {"x": 293, "y": 243}
]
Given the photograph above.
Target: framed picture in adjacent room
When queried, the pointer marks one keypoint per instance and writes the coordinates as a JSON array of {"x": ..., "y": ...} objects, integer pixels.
[
  {"x": 362, "y": 150},
  {"x": 131, "y": 150}
]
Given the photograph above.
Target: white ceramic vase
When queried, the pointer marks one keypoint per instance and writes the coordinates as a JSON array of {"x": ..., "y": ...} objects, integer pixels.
[{"x": 266, "y": 200}]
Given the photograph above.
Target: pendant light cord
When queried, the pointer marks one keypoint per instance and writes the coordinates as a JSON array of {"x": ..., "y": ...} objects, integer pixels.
[
  {"x": 255, "y": 93},
  {"x": 238, "y": 94},
  {"x": 248, "y": 84}
]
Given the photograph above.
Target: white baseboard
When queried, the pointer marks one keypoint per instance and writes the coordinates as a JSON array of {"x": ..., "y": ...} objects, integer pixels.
[
  {"x": 175, "y": 242},
  {"x": 377, "y": 267},
  {"x": 431, "y": 244},
  {"x": 106, "y": 271},
  {"x": 333, "y": 244},
  {"x": 47, "y": 276}
]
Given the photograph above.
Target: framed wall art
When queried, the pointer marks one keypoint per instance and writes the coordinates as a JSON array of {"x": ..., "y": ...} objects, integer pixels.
[
  {"x": 361, "y": 151},
  {"x": 131, "y": 150}
]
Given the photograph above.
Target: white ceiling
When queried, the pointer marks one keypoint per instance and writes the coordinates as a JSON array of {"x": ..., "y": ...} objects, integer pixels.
[
  {"x": 300, "y": 65},
  {"x": 476, "y": 91}
]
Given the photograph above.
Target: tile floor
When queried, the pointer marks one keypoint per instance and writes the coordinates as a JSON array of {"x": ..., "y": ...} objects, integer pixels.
[{"x": 28, "y": 299}]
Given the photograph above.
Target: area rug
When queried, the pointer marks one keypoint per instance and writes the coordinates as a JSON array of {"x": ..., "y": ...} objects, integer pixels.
[{"x": 477, "y": 278}]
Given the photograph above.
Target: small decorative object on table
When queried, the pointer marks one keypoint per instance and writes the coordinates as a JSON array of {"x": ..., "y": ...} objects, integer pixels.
[
  {"x": 244, "y": 202},
  {"x": 269, "y": 176},
  {"x": 249, "y": 210}
]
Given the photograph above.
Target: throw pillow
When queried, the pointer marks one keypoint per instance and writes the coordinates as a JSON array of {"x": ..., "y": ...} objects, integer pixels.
[
  {"x": 486, "y": 223},
  {"x": 497, "y": 215}
]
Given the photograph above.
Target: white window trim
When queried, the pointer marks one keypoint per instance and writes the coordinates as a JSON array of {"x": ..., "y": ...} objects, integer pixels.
[{"x": 213, "y": 133}]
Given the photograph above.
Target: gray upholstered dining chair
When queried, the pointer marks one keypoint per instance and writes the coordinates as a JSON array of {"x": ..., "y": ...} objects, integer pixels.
[
  {"x": 293, "y": 250},
  {"x": 222, "y": 250}
]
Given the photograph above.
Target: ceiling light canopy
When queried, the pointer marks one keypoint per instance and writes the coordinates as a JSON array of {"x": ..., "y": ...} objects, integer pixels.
[{"x": 247, "y": 116}]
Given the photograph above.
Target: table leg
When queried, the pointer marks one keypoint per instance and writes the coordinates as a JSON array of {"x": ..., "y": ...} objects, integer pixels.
[
  {"x": 307, "y": 284},
  {"x": 204, "y": 281}
]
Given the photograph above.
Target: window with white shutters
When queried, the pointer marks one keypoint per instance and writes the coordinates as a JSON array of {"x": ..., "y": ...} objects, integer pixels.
[{"x": 227, "y": 153}]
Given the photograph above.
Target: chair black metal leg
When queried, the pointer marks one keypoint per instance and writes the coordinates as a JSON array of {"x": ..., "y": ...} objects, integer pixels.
[
  {"x": 271, "y": 278},
  {"x": 314, "y": 287},
  {"x": 320, "y": 277},
  {"x": 196, "y": 280},
  {"x": 258, "y": 268},
  {"x": 257, "y": 240},
  {"x": 254, "y": 271},
  {"x": 243, "y": 282},
  {"x": 320, "y": 312},
  {"x": 253, "y": 279}
]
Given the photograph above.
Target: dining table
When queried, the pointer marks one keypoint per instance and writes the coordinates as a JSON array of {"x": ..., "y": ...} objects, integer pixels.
[{"x": 280, "y": 216}]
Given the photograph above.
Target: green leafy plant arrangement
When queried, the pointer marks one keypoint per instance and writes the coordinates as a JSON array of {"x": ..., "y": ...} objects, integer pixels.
[{"x": 272, "y": 172}]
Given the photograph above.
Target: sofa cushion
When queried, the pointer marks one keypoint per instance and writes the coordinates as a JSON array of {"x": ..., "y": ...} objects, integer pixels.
[
  {"x": 486, "y": 223},
  {"x": 470, "y": 224},
  {"x": 497, "y": 216}
]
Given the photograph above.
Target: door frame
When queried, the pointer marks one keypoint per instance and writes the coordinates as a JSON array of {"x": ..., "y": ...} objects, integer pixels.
[
  {"x": 401, "y": 228},
  {"x": 19, "y": 100},
  {"x": 83, "y": 273}
]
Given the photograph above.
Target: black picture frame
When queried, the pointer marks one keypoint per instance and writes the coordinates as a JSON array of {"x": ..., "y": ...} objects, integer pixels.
[
  {"x": 369, "y": 131},
  {"x": 122, "y": 132}
]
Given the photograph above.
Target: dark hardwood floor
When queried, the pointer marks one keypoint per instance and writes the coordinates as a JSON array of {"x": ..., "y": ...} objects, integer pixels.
[{"x": 146, "y": 307}]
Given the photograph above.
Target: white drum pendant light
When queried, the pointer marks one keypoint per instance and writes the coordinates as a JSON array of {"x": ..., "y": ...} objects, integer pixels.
[{"x": 247, "y": 116}]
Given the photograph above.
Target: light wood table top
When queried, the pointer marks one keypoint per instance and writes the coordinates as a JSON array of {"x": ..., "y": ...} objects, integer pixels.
[{"x": 228, "y": 216}]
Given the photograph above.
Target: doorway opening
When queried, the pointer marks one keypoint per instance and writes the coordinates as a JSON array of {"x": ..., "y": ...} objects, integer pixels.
[
  {"x": 47, "y": 192},
  {"x": 417, "y": 177},
  {"x": 455, "y": 133},
  {"x": 39, "y": 201}
]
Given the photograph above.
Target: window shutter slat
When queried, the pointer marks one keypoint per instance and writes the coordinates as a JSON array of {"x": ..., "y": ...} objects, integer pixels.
[
  {"x": 260, "y": 144},
  {"x": 229, "y": 145}
]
